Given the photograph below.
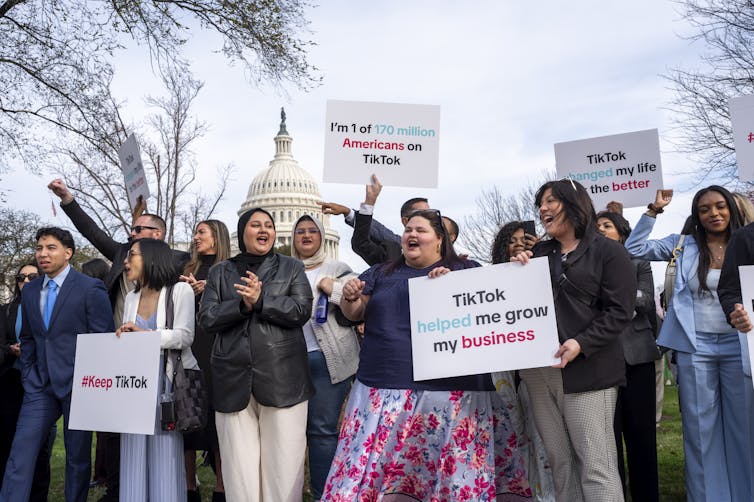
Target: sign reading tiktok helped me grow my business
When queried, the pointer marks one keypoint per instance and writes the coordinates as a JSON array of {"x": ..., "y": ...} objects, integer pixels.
[
  {"x": 397, "y": 142},
  {"x": 116, "y": 382},
  {"x": 483, "y": 319},
  {"x": 623, "y": 167}
]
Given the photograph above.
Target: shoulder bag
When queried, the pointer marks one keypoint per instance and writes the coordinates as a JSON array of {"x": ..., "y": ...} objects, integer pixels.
[{"x": 670, "y": 274}]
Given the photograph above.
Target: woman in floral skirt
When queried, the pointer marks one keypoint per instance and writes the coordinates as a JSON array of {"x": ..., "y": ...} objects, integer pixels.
[{"x": 441, "y": 440}]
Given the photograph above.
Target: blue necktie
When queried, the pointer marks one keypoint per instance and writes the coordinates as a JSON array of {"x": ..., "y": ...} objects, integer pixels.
[{"x": 52, "y": 294}]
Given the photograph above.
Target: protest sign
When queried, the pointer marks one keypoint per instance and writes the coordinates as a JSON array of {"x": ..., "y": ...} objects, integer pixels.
[
  {"x": 133, "y": 171},
  {"x": 746, "y": 276},
  {"x": 742, "y": 120},
  {"x": 623, "y": 167},
  {"x": 116, "y": 382},
  {"x": 397, "y": 142},
  {"x": 481, "y": 320}
]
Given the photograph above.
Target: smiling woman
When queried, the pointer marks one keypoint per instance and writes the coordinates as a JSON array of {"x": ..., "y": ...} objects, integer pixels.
[{"x": 256, "y": 303}]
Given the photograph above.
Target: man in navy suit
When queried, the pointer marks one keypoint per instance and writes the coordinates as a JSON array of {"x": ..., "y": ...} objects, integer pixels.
[{"x": 56, "y": 307}]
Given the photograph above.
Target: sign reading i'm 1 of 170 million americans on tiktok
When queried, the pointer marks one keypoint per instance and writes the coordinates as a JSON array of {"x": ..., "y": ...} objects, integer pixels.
[{"x": 397, "y": 142}]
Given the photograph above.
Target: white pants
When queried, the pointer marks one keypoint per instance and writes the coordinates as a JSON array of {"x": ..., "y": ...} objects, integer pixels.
[{"x": 262, "y": 450}]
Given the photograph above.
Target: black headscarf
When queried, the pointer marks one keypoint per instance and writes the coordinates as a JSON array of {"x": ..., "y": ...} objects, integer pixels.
[{"x": 246, "y": 260}]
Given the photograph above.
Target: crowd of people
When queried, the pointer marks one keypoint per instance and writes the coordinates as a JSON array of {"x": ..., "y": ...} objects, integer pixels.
[{"x": 309, "y": 363}]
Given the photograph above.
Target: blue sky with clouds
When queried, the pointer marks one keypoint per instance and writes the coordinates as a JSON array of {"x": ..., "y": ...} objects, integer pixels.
[{"x": 512, "y": 78}]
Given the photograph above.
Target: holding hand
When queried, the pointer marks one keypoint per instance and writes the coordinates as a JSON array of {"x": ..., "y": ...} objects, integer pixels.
[
  {"x": 58, "y": 188},
  {"x": 126, "y": 327},
  {"x": 325, "y": 285},
  {"x": 352, "y": 290},
  {"x": 250, "y": 290},
  {"x": 739, "y": 318},
  {"x": 567, "y": 352},
  {"x": 522, "y": 257},
  {"x": 438, "y": 271},
  {"x": 373, "y": 191}
]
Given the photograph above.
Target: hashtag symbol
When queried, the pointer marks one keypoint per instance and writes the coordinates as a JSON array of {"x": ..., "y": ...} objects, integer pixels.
[
  {"x": 751, "y": 137},
  {"x": 84, "y": 381}
]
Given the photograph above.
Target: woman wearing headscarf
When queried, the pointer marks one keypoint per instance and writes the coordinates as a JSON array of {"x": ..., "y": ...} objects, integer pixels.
[
  {"x": 333, "y": 350},
  {"x": 594, "y": 288},
  {"x": 256, "y": 303}
]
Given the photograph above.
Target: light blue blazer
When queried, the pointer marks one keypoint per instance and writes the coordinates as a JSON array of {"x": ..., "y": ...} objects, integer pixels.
[{"x": 678, "y": 330}]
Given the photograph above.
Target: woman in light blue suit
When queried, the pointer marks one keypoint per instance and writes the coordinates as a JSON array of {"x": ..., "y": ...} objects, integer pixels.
[{"x": 710, "y": 374}]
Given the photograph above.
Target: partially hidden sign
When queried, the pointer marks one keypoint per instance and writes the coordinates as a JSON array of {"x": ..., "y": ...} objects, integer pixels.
[
  {"x": 397, "y": 142},
  {"x": 742, "y": 119},
  {"x": 133, "y": 171},
  {"x": 481, "y": 320},
  {"x": 622, "y": 167},
  {"x": 116, "y": 382}
]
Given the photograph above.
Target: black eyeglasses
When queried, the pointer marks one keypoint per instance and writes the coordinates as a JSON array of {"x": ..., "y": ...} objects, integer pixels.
[
  {"x": 311, "y": 230},
  {"x": 23, "y": 277},
  {"x": 138, "y": 228}
]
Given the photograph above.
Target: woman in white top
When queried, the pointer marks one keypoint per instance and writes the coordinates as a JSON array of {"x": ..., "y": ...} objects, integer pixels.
[{"x": 151, "y": 467}]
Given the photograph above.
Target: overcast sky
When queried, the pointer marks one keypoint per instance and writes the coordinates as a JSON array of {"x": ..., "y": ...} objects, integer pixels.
[{"x": 512, "y": 78}]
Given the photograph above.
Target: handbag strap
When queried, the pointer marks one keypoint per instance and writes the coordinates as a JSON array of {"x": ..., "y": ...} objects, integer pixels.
[
  {"x": 169, "y": 318},
  {"x": 677, "y": 250}
]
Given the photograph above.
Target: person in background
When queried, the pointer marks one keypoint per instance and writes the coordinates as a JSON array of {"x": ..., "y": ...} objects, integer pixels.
[
  {"x": 509, "y": 241},
  {"x": 256, "y": 303},
  {"x": 333, "y": 349},
  {"x": 98, "y": 268},
  {"x": 745, "y": 208},
  {"x": 594, "y": 289},
  {"x": 151, "y": 467},
  {"x": 56, "y": 308},
  {"x": 11, "y": 388},
  {"x": 635, "y": 409},
  {"x": 210, "y": 245},
  {"x": 402, "y": 439},
  {"x": 710, "y": 374}
]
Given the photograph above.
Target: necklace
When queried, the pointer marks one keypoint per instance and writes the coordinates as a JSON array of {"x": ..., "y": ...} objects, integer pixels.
[{"x": 720, "y": 248}]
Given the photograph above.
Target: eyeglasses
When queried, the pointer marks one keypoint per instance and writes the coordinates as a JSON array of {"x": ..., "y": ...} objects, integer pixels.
[
  {"x": 131, "y": 253},
  {"x": 23, "y": 277},
  {"x": 311, "y": 230},
  {"x": 138, "y": 228}
]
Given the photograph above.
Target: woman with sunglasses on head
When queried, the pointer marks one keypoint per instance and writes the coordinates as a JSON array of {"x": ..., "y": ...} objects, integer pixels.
[
  {"x": 210, "y": 245},
  {"x": 333, "y": 349},
  {"x": 401, "y": 440},
  {"x": 152, "y": 467},
  {"x": 635, "y": 409},
  {"x": 11, "y": 388},
  {"x": 710, "y": 372},
  {"x": 594, "y": 290},
  {"x": 256, "y": 303}
]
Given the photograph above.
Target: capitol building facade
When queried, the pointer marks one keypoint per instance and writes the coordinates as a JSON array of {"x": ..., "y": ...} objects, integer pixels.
[{"x": 288, "y": 191}]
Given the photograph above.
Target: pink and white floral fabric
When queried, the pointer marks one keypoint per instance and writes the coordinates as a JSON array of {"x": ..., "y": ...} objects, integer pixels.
[{"x": 428, "y": 445}]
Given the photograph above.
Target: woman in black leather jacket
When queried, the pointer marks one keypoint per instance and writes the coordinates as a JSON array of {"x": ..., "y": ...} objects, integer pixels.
[
  {"x": 257, "y": 302},
  {"x": 635, "y": 408}
]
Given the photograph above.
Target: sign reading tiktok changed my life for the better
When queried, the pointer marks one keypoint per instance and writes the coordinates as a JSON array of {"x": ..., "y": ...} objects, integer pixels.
[
  {"x": 397, "y": 142},
  {"x": 484, "y": 319},
  {"x": 622, "y": 167}
]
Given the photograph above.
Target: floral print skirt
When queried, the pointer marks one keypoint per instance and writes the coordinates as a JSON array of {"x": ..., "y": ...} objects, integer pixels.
[{"x": 428, "y": 446}]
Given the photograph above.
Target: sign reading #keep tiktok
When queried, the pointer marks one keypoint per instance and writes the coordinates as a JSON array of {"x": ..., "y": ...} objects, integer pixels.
[{"x": 484, "y": 319}]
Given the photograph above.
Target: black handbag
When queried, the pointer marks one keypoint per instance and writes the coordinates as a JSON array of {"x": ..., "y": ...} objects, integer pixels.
[{"x": 188, "y": 408}]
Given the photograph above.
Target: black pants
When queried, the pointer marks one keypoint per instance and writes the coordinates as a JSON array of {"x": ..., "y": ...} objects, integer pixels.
[
  {"x": 11, "y": 396},
  {"x": 635, "y": 424}
]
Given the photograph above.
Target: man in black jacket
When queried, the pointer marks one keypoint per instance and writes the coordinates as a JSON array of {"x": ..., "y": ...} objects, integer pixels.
[{"x": 144, "y": 226}]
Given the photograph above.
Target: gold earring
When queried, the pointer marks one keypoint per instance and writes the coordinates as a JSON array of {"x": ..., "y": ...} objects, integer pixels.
[{"x": 438, "y": 247}]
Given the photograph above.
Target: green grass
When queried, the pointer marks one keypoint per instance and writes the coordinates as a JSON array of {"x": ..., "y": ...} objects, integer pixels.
[{"x": 669, "y": 458}]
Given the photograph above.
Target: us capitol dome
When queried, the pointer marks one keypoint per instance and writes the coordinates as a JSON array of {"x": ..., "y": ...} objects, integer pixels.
[{"x": 288, "y": 191}]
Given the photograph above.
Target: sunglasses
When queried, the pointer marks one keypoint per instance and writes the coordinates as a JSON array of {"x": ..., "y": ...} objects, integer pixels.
[
  {"x": 138, "y": 228},
  {"x": 23, "y": 277},
  {"x": 302, "y": 231}
]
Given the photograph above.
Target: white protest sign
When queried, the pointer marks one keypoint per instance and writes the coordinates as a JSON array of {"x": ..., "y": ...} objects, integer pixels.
[
  {"x": 746, "y": 276},
  {"x": 623, "y": 167},
  {"x": 115, "y": 382},
  {"x": 133, "y": 170},
  {"x": 742, "y": 120},
  {"x": 483, "y": 319},
  {"x": 397, "y": 142}
]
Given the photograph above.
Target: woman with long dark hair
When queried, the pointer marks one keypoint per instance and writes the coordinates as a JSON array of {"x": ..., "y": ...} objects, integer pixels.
[
  {"x": 710, "y": 373},
  {"x": 443, "y": 439},
  {"x": 151, "y": 467},
  {"x": 210, "y": 245},
  {"x": 11, "y": 388},
  {"x": 635, "y": 409},
  {"x": 594, "y": 290},
  {"x": 256, "y": 303}
]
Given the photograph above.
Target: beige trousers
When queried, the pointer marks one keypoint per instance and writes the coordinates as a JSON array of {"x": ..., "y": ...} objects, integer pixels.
[{"x": 262, "y": 450}]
